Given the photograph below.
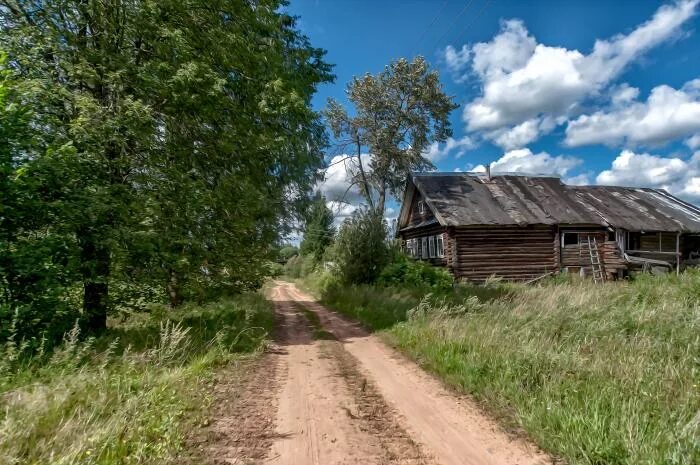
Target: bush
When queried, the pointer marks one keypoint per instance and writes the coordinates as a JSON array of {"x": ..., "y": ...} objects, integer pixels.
[
  {"x": 299, "y": 266},
  {"x": 361, "y": 250},
  {"x": 276, "y": 269},
  {"x": 376, "y": 307},
  {"x": 308, "y": 265},
  {"x": 321, "y": 281},
  {"x": 412, "y": 273},
  {"x": 293, "y": 267},
  {"x": 287, "y": 252}
]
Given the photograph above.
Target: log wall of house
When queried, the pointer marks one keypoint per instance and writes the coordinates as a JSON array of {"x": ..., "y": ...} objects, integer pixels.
[
  {"x": 663, "y": 242},
  {"x": 577, "y": 256},
  {"x": 654, "y": 245},
  {"x": 613, "y": 262},
  {"x": 512, "y": 253}
]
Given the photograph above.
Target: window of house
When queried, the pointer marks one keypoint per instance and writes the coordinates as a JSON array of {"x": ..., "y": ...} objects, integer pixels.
[
  {"x": 424, "y": 247},
  {"x": 431, "y": 246},
  {"x": 569, "y": 239},
  {"x": 440, "y": 246},
  {"x": 421, "y": 207}
]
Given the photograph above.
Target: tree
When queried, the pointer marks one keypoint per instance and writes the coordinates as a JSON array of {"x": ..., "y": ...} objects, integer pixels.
[
  {"x": 37, "y": 269},
  {"x": 181, "y": 129},
  {"x": 318, "y": 229},
  {"x": 287, "y": 252},
  {"x": 398, "y": 114},
  {"x": 361, "y": 249}
]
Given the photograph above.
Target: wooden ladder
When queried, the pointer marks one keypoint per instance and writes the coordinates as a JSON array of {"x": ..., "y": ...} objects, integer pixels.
[{"x": 596, "y": 266}]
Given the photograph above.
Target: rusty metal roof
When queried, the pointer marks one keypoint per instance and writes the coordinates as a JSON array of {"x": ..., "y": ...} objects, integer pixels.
[{"x": 462, "y": 199}]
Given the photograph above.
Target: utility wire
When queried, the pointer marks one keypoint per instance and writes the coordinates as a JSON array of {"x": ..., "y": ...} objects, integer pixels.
[
  {"x": 431, "y": 24},
  {"x": 448, "y": 29},
  {"x": 473, "y": 20}
]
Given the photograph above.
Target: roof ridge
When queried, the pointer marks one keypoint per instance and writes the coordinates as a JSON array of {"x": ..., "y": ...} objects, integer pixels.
[{"x": 483, "y": 174}]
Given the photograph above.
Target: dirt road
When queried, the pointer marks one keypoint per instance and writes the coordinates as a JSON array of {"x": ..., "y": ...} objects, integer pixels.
[{"x": 343, "y": 397}]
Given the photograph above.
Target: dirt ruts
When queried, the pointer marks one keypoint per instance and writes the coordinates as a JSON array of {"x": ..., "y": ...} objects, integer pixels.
[{"x": 328, "y": 393}]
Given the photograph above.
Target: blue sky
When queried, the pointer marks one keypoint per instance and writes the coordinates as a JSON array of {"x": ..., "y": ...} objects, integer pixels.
[{"x": 596, "y": 92}]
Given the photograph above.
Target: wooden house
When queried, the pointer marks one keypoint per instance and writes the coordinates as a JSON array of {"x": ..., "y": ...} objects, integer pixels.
[{"x": 523, "y": 227}]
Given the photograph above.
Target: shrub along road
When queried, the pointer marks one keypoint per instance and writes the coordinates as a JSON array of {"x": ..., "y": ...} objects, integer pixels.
[{"x": 344, "y": 397}]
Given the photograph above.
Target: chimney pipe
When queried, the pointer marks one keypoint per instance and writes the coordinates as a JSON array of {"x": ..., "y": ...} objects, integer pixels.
[{"x": 488, "y": 172}]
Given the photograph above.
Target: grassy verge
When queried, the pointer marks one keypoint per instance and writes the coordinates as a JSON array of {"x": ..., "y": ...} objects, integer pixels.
[
  {"x": 130, "y": 396},
  {"x": 594, "y": 374}
]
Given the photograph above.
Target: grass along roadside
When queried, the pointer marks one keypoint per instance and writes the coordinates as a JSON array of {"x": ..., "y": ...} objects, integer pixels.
[
  {"x": 593, "y": 374},
  {"x": 130, "y": 396}
]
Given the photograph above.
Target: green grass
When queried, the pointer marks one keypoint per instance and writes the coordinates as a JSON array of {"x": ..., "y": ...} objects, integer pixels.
[
  {"x": 382, "y": 307},
  {"x": 130, "y": 396},
  {"x": 594, "y": 374},
  {"x": 314, "y": 320}
]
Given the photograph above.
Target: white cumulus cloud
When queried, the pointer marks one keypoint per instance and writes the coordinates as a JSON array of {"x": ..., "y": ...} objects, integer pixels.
[
  {"x": 524, "y": 161},
  {"x": 693, "y": 142},
  {"x": 336, "y": 184},
  {"x": 518, "y": 136},
  {"x": 457, "y": 147},
  {"x": 524, "y": 81},
  {"x": 667, "y": 114},
  {"x": 678, "y": 176}
]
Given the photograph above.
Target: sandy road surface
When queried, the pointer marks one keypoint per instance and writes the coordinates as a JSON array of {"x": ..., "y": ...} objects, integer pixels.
[{"x": 344, "y": 397}]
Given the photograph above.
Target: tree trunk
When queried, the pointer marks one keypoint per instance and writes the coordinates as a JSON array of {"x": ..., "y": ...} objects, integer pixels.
[
  {"x": 366, "y": 190},
  {"x": 382, "y": 200},
  {"x": 173, "y": 288},
  {"x": 95, "y": 259}
]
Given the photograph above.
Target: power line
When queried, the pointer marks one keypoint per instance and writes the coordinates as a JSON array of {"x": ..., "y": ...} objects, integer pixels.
[
  {"x": 448, "y": 29},
  {"x": 474, "y": 18},
  {"x": 432, "y": 22}
]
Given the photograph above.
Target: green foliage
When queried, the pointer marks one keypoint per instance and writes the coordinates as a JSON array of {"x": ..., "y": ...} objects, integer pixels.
[
  {"x": 287, "y": 252},
  {"x": 129, "y": 396},
  {"x": 318, "y": 229},
  {"x": 320, "y": 282},
  {"x": 276, "y": 269},
  {"x": 415, "y": 274},
  {"x": 398, "y": 113},
  {"x": 300, "y": 266},
  {"x": 361, "y": 250},
  {"x": 293, "y": 267},
  {"x": 132, "y": 160},
  {"x": 376, "y": 307}
]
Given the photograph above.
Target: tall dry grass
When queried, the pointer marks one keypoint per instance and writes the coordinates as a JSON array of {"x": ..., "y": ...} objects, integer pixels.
[
  {"x": 594, "y": 374},
  {"x": 128, "y": 397}
]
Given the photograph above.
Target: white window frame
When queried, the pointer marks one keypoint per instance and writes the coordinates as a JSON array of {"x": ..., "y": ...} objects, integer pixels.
[
  {"x": 432, "y": 243},
  {"x": 424, "y": 247},
  {"x": 421, "y": 207},
  {"x": 440, "y": 245}
]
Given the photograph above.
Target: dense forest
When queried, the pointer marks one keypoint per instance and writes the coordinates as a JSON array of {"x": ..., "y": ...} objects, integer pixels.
[{"x": 151, "y": 151}]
